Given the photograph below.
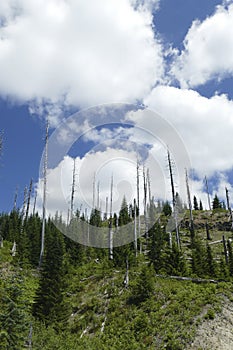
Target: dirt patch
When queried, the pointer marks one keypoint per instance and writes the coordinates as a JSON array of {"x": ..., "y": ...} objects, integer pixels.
[{"x": 216, "y": 334}]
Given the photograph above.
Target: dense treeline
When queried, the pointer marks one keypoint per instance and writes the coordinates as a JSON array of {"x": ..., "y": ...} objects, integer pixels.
[{"x": 48, "y": 306}]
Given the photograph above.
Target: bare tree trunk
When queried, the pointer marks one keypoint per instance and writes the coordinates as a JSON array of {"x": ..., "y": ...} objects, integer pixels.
[
  {"x": 72, "y": 193},
  {"x": 98, "y": 195},
  {"x": 229, "y": 208},
  {"x": 24, "y": 203},
  {"x": 34, "y": 205},
  {"x": 110, "y": 224},
  {"x": 126, "y": 279},
  {"x": 135, "y": 228},
  {"x": 138, "y": 204},
  {"x": 145, "y": 200},
  {"x": 15, "y": 199},
  {"x": 191, "y": 224},
  {"x": 207, "y": 231},
  {"x": 149, "y": 185},
  {"x": 174, "y": 200},
  {"x": 28, "y": 201},
  {"x": 44, "y": 194},
  {"x": 207, "y": 191},
  {"x": 225, "y": 249},
  {"x": 93, "y": 201}
]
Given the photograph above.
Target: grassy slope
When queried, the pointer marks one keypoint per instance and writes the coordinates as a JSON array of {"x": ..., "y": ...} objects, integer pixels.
[{"x": 169, "y": 318}]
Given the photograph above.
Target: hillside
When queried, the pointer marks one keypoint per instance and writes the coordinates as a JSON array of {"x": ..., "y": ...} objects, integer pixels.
[{"x": 88, "y": 303}]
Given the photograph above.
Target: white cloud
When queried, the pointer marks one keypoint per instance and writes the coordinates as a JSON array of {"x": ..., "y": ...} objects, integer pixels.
[
  {"x": 79, "y": 53},
  {"x": 119, "y": 163},
  {"x": 208, "y": 49},
  {"x": 205, "y": 125}
]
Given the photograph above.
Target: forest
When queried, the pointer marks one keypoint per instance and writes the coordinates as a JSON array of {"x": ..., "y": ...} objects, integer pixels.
[{"x": 154, "y": 292}]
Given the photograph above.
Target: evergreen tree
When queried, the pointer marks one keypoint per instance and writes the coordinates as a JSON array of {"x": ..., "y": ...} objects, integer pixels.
[
  {"x": 198, "y": 258},
  {"x": 216, "y": 203},
  {"x": 124, "y": 252},
  {"x": 175, "y": 262},
  {"x": 95, "y": 218},
  {"x": 167, "y": 209},
  {"x": 210, "y": 264},
  {"x": 49, "y": 304},
  {"x": 124, "y": 217},
  {"x": 156, "y": 246},
  {"x": 12, "y": 318},
  {"x": 200, "y": 206},
  {"x": 195, "y": 203},
  {"x": 33, "y": 230},
  {"x": 144, "y": 285}
]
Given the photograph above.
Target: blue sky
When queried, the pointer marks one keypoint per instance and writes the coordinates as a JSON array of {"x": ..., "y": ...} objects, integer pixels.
[{"x": 175, "y": 57}]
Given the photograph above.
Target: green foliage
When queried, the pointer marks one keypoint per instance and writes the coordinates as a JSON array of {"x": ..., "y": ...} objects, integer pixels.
[
  {"x": 201, "y": 205},
  {"x": 95, "y": 219},
  {"x": 210, "y": 315},
  {"x": 144, "y": 286},
  {"x": 13, "y": 320},
  {"x": 174, "y": 263},
  {"x": 152, "y": 313},
  {"x": 49, "y": 304},
  {"x": 216, "y": 204},
  {"x": 195, "y": 203},
  {"x": 198, "y": 258},
  {"x": 124, "y": 217},
  {"x": 156, "y": 246},
  {"x": 167, "y": 209}
]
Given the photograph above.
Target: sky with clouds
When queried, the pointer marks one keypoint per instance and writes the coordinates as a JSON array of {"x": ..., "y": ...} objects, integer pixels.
[{"x": 60, "y": 58}]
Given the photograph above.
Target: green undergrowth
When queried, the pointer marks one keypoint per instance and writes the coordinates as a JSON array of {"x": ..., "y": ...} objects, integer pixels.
[{"x": 106, "y": 315}]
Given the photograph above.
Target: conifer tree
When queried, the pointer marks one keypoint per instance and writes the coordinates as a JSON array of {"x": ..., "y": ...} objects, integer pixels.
[
  {"x": 124, "y": 217},
  {"x": 200, "y": 206},
  {"x": 216, "y": 203},
  {"x": 124, "y": 252},
  {"x": 167, "y": 209},
  {"x": 144, "y": 286},
  {"x": 49, "y": 304},
  {"x": 156, "y": 246},
  {"x": 12, "y": 318},
  {"x": 175, "y": 262},
  {"x": 210, "y": 264},
  {"x": 95, "y": 218},
  {"x": 198, "y": 258},
  {"x": 195, "y": 203}
]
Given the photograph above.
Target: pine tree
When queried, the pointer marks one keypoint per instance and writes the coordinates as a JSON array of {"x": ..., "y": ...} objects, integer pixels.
[
  {"x": 210, "y": 264},
  {"x": 167, "y": 209},
  {"x": 124, "y": 252},
  {"x": 200, "y": 206},
  {"x": 33, "y": 230},
  {"x": 144, "y": 286},
  {"x": 12, "y": 318},
  {"x": 95, "y": 218},
  {"x": 175, "y": 262},
  {"x": 216, "y": 203},
  {"x": 49, "y": 304},
  {"x": 198, "y": 258},
  {"x": 156, "y": 246},
  {"x": 195, "y": 203},
  {"x": 124, "y": 217}
]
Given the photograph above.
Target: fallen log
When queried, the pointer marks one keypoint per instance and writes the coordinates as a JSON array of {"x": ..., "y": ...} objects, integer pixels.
[{"x": 195, "y": 279}]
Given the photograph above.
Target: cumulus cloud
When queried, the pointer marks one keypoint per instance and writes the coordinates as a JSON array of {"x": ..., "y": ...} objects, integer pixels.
[
  {"x": 120, "y": 164},
  {"x": 205, "y": 125},
  {"x": 208, "y": 49},
  {"x": 68, "y": 52}
]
